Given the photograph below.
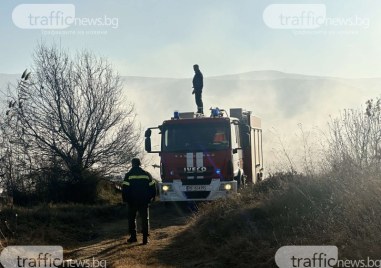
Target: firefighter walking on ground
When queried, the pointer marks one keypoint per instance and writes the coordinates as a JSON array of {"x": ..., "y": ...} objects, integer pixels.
[
  {"x": 138, "y": 191},
  {"x": 198, "y": 84}
]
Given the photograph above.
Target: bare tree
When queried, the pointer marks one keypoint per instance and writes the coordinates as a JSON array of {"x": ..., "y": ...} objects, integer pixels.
[
  {"x": 355, "y": 138},
  {"x": 73, "y": 110},
  {"x": 15, "y": 160}
]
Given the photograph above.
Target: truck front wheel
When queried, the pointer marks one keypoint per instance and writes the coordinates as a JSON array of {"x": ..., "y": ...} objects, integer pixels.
[{"x": 241, "y": 182}]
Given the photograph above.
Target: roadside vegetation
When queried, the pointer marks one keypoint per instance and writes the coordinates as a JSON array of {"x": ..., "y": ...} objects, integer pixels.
[
  {"x": 342, "y": 209},
  {"x": 66, "y": 224},
  {"x": 64, "y": 127},
  {"x": 286, "y": 209}
]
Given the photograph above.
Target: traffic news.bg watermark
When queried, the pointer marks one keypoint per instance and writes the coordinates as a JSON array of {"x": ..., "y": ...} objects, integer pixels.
[
  {"x": 31, "y": 256},
  {"x": 43, "y": 257},
  {"x": 318, "y": 257},
  {"x": 57, "y": 17},
  {"x": 310, "y": 17},
  {"x": 306, "y": 256}
]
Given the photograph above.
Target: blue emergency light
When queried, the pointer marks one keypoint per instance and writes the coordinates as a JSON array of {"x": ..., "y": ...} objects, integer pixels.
[
  {"x": 176, "y": 115},
  {"x": 215, "y": 112}
]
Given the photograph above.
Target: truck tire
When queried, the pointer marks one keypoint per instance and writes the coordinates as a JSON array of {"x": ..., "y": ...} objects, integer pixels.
[
  {"x": 259, "y": 176},
  {"x": 244, "y": 180},
  {"x": 240, "y": 181}
]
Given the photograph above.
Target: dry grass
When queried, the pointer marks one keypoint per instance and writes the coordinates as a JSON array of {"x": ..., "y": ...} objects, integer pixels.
[
  {"x": 65, "y": 224},
  {"x": 243, "y": 231},
  {"x": 287, "y": 209},
  {"x": 108, "y": 193}
]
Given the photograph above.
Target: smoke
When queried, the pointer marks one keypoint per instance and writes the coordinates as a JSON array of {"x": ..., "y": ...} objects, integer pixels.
[
  {"x": 285, "y": 103},
  {"x": 288, "y": 104}
]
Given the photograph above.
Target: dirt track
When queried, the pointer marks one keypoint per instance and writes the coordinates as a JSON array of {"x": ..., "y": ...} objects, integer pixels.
[{"x": 166, "y": 224}]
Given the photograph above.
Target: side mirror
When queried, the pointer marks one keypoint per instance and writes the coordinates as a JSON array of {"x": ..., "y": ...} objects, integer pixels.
[
  {"x": 148, "y": 133},
  {"x": 147, "y": 141},
  {"x": 147, "y": 144}
]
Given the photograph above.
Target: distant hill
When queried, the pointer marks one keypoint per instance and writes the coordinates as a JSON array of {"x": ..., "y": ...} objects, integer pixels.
[{"x": 265, "y": 75}]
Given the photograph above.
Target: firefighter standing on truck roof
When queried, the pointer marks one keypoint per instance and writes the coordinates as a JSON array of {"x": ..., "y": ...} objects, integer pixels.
[
  {"x": 198, "y": 84},
  {"x": 138, "y": 191}
]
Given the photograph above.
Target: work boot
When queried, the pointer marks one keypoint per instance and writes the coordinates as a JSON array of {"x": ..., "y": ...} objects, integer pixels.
[
  {"x": 145, "y": 240},
  {"x": 132, "y": 239}
]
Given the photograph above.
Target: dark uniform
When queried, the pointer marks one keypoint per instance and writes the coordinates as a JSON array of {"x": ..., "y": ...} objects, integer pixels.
[
  {"x": 138, "y": 191},
  {"x": 198, "y": 84}
]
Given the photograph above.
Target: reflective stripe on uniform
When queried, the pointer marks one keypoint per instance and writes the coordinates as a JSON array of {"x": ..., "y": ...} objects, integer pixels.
[
  {"x": 126, "y": 183},
  {"x": 133, "y": 177}
]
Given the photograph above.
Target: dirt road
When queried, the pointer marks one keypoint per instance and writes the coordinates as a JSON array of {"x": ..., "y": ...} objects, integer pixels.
[{"x": 111, "y": 248}]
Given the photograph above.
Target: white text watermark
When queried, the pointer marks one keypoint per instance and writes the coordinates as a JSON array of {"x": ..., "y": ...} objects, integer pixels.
[
  {"x": 31, "y": 256},
  {"x": 308, "y": 17},
  {"x": 318, "y": 257},
  {"x": 56, "y": 16}
]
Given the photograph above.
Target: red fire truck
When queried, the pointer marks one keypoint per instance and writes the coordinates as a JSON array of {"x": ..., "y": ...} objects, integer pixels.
[{"x": 205, "y": 158}]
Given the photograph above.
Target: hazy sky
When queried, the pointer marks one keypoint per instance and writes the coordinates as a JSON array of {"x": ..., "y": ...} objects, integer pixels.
[{"x": 165, "y": 38}]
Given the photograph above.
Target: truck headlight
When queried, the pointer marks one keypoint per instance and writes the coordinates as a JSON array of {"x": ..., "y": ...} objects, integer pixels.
[
  {"x": 166, "y": 188},
  {"x": 228, "y": 187}
]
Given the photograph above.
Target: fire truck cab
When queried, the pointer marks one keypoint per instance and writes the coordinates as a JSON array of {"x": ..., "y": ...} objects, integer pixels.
[{"x": 205, "y": 158}]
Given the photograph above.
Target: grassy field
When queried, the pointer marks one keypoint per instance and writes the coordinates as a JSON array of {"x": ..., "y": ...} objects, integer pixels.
[
  {"x": 286, "y": 209},
  {"x": 247, "y": 229}
]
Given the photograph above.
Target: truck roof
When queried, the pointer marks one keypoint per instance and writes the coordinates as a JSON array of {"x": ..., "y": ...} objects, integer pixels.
[
  {"x": 197, "y": 120},
  {"x": 235, "y": 114}
]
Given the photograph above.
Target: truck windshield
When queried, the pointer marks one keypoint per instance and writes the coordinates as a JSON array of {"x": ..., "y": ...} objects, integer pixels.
[{"x": 196, "y": 137}]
